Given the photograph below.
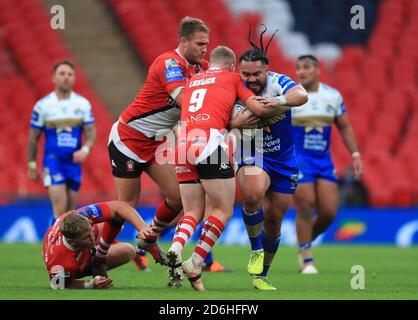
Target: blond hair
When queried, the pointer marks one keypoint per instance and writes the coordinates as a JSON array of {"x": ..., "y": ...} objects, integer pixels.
[
  {"x": 73, "y": 225},
  {"x": 190, "y": 25},
  {"x": 223, "y": 55}
]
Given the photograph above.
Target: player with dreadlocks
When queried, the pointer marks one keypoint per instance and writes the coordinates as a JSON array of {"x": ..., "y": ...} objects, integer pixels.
[{"x": 267, "y": 188}]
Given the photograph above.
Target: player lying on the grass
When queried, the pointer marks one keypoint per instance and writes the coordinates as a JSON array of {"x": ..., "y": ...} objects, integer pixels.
[
  {"x": 267, "y": 187},
  {"x": 318, "y": 189},
  {"x": 82, "y": 243},
  {"x": 207, "y": 170}
]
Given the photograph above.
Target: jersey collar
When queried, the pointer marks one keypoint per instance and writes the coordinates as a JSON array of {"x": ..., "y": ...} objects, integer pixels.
[
  {"x": 56, "y": 97},
  {"x": 320, "y": 88}
]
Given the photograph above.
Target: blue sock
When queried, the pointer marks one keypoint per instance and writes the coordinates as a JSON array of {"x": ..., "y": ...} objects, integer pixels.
[
  {"x": 254, "y": 224},
  {"x": 167, "y": 230},
  {"x": 270, "y": 245},
  {"x": 209, "y": 259}
]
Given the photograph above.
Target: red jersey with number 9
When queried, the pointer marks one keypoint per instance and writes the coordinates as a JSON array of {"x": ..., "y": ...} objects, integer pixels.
[{"x": 209, "y": 98}]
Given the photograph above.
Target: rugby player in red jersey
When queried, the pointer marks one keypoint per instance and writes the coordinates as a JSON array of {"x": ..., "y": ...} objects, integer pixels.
[
  {"x": 136, "y": 136},
  {"x": 203, "y": 165},
  {"x": 82, "y": 243}
]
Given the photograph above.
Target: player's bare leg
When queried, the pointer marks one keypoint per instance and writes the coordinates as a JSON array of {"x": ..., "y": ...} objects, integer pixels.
[
  {"x": 99, "y": 234},
  {"x": 193, "y": 196},
  {"x": 165, "y": 177},
  {"x": 275, "y": 205},
  {"x": 72, "y": 197},
  {"x": 119, "y": 254},
  {"x": 253, "y": 186},
  {"x": 58, "y": 195},
  {"x": 221, "y": 193},
  {"x": 327, "y": 206},
  {"x": 253, "y": 183},
  {"x": 305, "y": 199},
  {"x": 128, "y": 190}
]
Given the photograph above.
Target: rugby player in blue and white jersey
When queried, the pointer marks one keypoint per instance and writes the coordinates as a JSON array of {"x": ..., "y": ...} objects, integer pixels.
[
  {"x": 62, "y": 116},
  {"x": 267, "y": 191},
  {"x": 317, "y": 185}
]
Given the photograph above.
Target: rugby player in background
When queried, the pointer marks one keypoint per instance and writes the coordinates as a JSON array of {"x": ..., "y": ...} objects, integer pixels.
[
  {"x": 317, "y": 185},
  {"x": 62, "y": 116}
]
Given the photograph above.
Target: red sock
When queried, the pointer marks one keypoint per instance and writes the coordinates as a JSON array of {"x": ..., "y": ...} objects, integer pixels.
[
  {"x": 110, "y": 230},
  {"x": 212, "y": 230},
  {"x": 184, "y": 230},
  {"x": 163, "y": 216}
]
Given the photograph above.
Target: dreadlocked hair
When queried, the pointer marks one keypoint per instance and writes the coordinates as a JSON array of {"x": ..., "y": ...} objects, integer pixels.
[{"x": 257, "y": 53}]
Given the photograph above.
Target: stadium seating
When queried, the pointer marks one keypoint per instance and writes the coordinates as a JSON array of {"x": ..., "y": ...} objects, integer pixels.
[
  {"x": 28, "y": 48},
  {"x": 376, "y": 72}
]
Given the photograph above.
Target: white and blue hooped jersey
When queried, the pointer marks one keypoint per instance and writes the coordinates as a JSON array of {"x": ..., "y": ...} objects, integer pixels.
[
  {"x": 312, "y": 122},
  {"x": 62, "y": 122}
]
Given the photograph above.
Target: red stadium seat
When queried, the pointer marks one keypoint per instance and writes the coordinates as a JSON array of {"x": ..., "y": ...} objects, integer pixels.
[{"x": 34, "y": 46}]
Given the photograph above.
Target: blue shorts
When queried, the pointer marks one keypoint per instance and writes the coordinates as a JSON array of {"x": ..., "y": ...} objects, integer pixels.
[
  {"x": 283, "y": 174},
  {"x": 59, "y": 171},
  {"x": 311, "y": 169}
]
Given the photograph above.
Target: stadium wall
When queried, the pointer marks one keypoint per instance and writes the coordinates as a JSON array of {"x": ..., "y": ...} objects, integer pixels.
[{"x": 28, "y": 221}]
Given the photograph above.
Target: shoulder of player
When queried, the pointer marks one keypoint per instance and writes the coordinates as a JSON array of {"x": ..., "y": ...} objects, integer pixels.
[
  {"x": 83, "y": 101},
  {"x": 49, "y": 98},
  {"x": 277, "y": 79},
  {"x": 328, "y": 90},
  {"x": 76, "y": 96},
  {"x": 169, "y": 59},
  {"x": 272, "y": 74}
]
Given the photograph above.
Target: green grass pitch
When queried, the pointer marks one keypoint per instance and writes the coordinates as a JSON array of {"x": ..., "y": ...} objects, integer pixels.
[{"x": 390, "y": 273}]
